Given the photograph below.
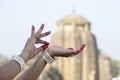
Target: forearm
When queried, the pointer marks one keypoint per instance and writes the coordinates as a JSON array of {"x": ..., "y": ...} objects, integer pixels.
[
  {"x": 10, "y": 69},
  {"x": 33, "y": 72}
]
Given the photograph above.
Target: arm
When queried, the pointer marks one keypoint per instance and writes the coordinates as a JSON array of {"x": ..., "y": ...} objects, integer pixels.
[
  {"x": 10, "y": 69},
  {"x": 37, "y": 67}
]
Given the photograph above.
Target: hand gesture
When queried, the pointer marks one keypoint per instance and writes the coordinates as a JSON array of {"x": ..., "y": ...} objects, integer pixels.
[
  {"x": 30, "y": 50},
  {"x": 57, "y": 51}
]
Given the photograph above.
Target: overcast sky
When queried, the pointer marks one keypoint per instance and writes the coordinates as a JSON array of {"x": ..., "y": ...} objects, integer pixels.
[{"x": 17, "y": 16}]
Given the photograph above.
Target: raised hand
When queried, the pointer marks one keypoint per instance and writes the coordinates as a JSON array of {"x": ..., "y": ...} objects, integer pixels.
[
  {"x": 39, "y": 35},
  {"x": 30, "y": 50},
  {"x": 57, "y": 51}
]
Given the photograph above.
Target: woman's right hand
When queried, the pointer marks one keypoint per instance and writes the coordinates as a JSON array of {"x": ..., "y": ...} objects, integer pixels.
[{"x": 57, "y": 51}]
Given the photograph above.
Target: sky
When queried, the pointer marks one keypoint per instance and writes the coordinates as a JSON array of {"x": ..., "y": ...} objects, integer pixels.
[{"x": 17, "y": 16}]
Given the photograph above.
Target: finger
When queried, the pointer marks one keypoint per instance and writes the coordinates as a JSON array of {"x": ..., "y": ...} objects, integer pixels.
[
  {"x": 71, "y": 52},
  {"x": 75, "y": 52},
  {"x": 70, "y": 48},
  {"x": 41, "y": 41},
  {"x": 45, "y": 46},
  {"x": 33, "y": 32},
  {"x": 44, "y": 34},
  {"x": 38, "y": 33},
  {"x": 39, "y": 49},
  {"x": 41, "y": 28},
  {"x": 81, "y": 48}
]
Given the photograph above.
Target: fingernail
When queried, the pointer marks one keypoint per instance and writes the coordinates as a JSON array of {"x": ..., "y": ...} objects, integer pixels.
[
  {"x": 81, "y": 48},
  {"x": 47, "y": 33},
  {"x": 47, "y": 43},
  {"x": 70, "y": 48},
  {"x": 42, "y": 26},
  {"x": 33, "y": 27},
  {"x": 44, "y": 46}
]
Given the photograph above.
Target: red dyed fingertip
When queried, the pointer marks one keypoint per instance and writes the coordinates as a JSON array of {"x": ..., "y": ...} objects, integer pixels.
[
  {"x": 70, "y": 48},
  {"x": 47, "y": 43},
  {"x": 42, "y": 26},
  {"x": 47, "y": 33},
  {"x": 33, "y": 28},
  {"x": 44, "y": 46},
  {"x": 81, "y": 48}
]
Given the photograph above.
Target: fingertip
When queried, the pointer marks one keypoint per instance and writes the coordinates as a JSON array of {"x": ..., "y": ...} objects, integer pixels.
[
  {"x": 47, "y": 33},
  {"x": 33, "y": 28},
  {"x": 78, "y": 51},
  {"x": 45, "y": 46},
  {"x": 42, "y": 26},
  {"x": 47, "y": 43},
  {"x": 81, "y": 48},
  {"x": 83, "y": 45}
]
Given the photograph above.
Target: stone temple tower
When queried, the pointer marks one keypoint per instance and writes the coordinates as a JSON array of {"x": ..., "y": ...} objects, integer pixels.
[{"x": 72, "y": 31}]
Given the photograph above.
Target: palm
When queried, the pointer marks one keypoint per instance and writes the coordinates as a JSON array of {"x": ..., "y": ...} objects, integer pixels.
[
  {"x": 59, "y": 51},
  {"x": 63, "y": 52}
]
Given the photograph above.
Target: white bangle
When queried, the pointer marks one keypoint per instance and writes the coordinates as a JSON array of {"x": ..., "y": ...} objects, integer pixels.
[
  {"x": 47, "y": 57},
  {"x": 20, "y": 61}
]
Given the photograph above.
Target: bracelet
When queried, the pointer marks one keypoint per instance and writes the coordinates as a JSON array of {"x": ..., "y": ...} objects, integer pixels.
[
  {"x": 20, "y": 61},
  {"x": 47, "y": 57}
]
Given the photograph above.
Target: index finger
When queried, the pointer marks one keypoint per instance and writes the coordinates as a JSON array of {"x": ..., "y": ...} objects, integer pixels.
[
  {"x": 72, "y": 52},
  {"x": 33, "y": 32},
  {"x": 37, "y": 35}
]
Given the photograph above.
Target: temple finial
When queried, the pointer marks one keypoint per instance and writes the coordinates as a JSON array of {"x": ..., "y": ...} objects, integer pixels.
[
  {"x": 74, "y": 10},
  {"x": 74, "y": 6}
]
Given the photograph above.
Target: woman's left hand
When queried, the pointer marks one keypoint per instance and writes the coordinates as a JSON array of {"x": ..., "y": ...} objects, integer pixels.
[{"x": 30, "y": 50}]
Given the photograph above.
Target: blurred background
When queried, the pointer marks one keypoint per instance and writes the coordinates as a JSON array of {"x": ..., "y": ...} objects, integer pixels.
[{"x": 72, "y": 22}]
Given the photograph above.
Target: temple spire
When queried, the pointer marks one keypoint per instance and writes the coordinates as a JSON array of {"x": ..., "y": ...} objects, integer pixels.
[
  {"x": 74, "y": 9},
  {"x": 74, "y": 6}
]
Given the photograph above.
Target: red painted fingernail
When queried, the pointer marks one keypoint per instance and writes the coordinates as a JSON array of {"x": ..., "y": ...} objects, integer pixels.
[
  {"x": 44, "y": 46},
  {"x": 42, "y": 26},
  {"x": 47, "y": 33},
  {"x": 45, "y": 42},
  {"x": 70, "y": 48},
  {"x": 33, "y": 27},
  {"x": 81, "y": 48}
]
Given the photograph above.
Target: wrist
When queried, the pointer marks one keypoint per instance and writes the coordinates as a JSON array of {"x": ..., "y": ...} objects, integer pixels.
[
  {"x": 20, "y": 61},
  {"x": 47, "y": 57},
  {"x": 24, "y": 56},
  {"x": 50, "y": 53}
]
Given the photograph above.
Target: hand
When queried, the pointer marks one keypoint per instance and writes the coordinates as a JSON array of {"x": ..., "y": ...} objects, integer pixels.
[
  {"x": 57, "y": 51},
  {"x": 39, "y": 35},
  {"x": 30, "y": 50}
]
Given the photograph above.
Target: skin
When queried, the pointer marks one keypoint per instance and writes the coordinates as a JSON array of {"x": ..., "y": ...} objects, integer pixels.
[
  {"x": 10, "y": 69},
  {"x": 37, "y": 67}
]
